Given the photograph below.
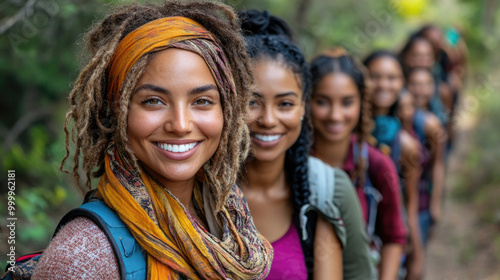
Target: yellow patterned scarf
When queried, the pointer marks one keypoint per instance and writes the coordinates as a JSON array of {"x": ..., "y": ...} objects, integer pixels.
[{"x": 176, "y": 244}]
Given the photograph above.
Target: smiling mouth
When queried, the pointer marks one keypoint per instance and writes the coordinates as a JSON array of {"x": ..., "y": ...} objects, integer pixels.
[
  {"x": 177, "y": 148},
  {"x": 335, "y": 128},
  {"x": 268, "y": 138}
]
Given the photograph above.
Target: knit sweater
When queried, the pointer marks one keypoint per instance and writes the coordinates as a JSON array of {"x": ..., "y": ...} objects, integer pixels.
[{"x": 80, "y": 250}]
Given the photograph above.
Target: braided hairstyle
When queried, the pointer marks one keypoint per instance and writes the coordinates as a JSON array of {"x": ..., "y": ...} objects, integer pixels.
[
  {"x": 338, "y": 60},
  {"x": 269, "y": 37},
  {"x": 96, "y": 127},
  {"x": 385, "y": 54}
]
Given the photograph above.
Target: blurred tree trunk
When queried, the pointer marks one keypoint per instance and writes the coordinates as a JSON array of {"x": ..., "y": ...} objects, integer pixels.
[
  {"x": 489, "y": 9},
  {"x": 24, "y": 12},
  {"x": 301, "y": 14}
]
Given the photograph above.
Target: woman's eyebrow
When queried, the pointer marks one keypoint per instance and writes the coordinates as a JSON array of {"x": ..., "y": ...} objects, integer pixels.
[
  {"x": 153, "y": 88},
  {"x": 162, "y": 90},
  {"x": 286, "y": 94},
  {"x": 203, "y": 89}
]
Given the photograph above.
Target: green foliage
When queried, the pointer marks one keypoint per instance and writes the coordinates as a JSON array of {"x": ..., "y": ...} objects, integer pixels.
[
  {"x": 41, "y": 194},
  {"x": 479, "y": 180}
]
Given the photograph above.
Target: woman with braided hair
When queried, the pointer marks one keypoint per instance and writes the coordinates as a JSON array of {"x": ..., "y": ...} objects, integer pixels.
[
  {"x": 315, "y": 228},
  {"x": 158, "y": 115},
  {"x": 341, "y": 116}
]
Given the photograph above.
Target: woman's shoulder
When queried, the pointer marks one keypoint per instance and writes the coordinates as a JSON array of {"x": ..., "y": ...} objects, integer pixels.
[
  {"x": 382, "y": 170},
  {"x": 330, "y": 187},
  {"x": 80, "y": 250},
  {"x": 409, "y": 145},
  {"x": 430, "y": 119},
  {"x": 343, "y": 212}
]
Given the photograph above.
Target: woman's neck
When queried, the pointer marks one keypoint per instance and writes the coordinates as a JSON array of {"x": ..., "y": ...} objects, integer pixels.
[
  {"x": 182, "y": 190},
  {"x": 425, "y": 107},
  {"x": 333, "y": 153},
  {"x": 265, "y": 175},
  {"x": 378, "y": 111},
  {"x": 407, "y": 125}
]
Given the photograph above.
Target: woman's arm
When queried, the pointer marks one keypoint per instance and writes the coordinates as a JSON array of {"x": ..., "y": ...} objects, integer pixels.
[
  {"x": 327, "y": 252},
  {"x": 410, "y": 162},
  {"x": 390, "y": 226},
  {"x": 436, "y": 137},
  {"x": 80, "y": 250},
  {"x": 390, "y": 260}
]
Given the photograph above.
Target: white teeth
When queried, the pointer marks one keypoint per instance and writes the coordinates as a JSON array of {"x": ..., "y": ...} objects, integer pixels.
[
  {"x": 267, "y": 138},
  {"x": 177, "y": 148}
]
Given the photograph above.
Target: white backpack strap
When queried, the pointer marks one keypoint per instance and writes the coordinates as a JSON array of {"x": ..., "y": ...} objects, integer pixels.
[
  {"x": 322, "y": 182},
  {"x": 322, "y": 188}
]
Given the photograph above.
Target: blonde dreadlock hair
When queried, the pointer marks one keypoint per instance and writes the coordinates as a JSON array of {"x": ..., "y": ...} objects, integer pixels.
[
  {"x": 338, "y": 60},
  {"x": 96, "y": 127}
]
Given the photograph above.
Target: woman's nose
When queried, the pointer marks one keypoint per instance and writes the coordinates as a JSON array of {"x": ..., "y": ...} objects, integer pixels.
[
  {"x": 336, "y": 113},
  {"x": 180, "y": 121},
  {"x": 268, "y": 118}
]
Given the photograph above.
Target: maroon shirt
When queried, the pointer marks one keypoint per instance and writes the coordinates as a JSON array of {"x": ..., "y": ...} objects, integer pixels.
[{"x": 390, "y": 227}]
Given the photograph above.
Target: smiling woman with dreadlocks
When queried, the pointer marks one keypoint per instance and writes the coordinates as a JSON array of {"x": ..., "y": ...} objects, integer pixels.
[{"x": 159, "y": 116}]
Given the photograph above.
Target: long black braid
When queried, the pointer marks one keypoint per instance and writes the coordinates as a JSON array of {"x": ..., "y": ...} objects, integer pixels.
[{"x": 269, "y": 37}]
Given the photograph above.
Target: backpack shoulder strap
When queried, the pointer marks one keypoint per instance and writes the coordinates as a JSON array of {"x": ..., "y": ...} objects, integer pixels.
[
  {"x": 419, "y": 124},
  {"x": 322, "y": 187},
  {"x": 364, "y": 156},
  {"x": 396, "y": 150},
  {"x": 372, "y": 195},
  {"x": 322, "y": 178},
  {"x": 128, "y": 252}
]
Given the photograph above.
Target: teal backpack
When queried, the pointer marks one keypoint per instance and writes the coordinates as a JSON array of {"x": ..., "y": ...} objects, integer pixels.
[{"x": 129, "y": 254}]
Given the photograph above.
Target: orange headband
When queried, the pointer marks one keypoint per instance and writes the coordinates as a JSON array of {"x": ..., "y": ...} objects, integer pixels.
[{"x": 148, "y": 37}]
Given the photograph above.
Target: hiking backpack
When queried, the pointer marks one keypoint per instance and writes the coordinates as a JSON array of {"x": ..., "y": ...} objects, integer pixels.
[{"x": 129, "y": 254}]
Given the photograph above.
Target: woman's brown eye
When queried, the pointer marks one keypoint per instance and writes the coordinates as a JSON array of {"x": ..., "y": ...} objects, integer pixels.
[
  {"x": 152, "y": 101},
  {"x": 203, "y": 101}
]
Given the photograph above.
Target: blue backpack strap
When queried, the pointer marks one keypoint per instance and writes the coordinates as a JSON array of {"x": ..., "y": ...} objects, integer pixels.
[
  {"x": 419, "y": 124},
  {"x": 436, "y": 104},
  {"x": 396, "y": 152},
  {"x": 373, "y": 196},
  {"x": 129, "y": 254}
]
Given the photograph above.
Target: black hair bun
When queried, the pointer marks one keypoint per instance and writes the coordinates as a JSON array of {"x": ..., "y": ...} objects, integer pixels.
[{"x": 254, "y": 22}]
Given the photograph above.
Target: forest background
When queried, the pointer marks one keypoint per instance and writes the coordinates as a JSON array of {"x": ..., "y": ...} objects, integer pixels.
[{"x": 40, "y": 51}]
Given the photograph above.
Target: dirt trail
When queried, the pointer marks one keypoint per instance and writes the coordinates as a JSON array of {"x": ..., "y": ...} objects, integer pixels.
[{"x": 460, "y": 249}]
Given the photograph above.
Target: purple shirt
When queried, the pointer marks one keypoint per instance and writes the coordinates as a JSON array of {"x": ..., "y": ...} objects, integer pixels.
[{"x": 288, "y": 261}]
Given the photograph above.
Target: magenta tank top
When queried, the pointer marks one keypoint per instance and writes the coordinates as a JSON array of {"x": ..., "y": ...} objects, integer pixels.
[{"x": 288, "y": 261}]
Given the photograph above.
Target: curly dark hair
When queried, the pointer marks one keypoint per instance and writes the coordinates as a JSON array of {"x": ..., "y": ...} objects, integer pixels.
[
  {"x": 269, "y": 37},
  {"x": 96, "y": 127},
  {"x": 338, "y": 60}
]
